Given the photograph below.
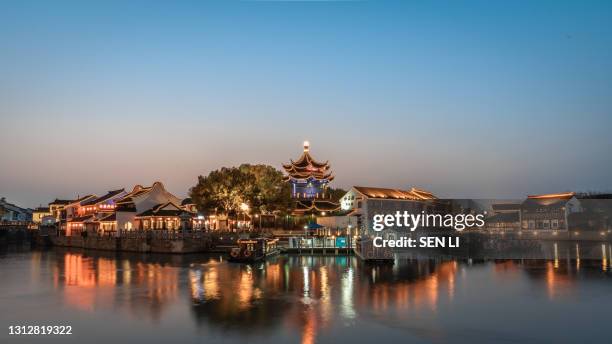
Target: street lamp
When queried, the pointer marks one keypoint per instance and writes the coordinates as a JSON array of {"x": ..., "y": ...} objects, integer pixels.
[
  {"x": 348, "y": 234},
  {"x": 245, "y": 208}
]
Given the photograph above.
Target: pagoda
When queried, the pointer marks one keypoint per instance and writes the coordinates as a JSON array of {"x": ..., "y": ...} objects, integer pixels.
[{"x": 309, "y": 179}]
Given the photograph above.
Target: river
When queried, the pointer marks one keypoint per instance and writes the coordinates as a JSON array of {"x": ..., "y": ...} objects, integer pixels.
[{"x": 115, "y": 298}]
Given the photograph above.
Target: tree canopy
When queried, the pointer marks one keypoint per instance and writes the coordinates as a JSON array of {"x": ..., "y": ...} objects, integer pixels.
[{"x": 261, "y": 187}]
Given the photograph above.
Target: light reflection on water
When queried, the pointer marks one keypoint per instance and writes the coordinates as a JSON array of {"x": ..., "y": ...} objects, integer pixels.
[{"x": 303, "y": 298}]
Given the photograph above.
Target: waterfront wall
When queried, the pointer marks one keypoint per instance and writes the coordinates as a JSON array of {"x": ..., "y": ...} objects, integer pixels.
[{"x": 151, "y": 245}]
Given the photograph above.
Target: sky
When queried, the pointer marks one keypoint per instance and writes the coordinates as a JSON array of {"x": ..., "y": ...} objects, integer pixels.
[{"x": 478, "y": 99}]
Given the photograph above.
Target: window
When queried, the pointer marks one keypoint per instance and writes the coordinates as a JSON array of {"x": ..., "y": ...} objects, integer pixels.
[{"x": 554, "y": 224}]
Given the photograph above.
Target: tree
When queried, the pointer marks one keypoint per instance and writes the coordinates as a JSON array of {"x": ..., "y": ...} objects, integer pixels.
[
  {"x": 223, "y": 190},
  {"x": 336, "y": 193},
  {"x": 271, "y": 194}
]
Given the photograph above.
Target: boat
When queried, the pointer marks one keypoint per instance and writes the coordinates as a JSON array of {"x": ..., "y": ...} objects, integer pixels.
[
  {"x": 254, "y": 249},
  {"x": 365, "y": 250}
]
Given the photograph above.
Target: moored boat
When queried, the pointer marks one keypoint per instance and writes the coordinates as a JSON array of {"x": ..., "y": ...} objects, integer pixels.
[{"x": 254, "y": 249}]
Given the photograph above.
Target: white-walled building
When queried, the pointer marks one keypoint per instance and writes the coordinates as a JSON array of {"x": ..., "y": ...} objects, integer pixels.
[
  {"x": 139, "y": 200},
  {"x": 12, "y": 212},
  {"x": 365, "y": 202}
]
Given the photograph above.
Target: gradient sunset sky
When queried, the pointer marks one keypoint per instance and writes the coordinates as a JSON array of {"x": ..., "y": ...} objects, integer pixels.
[{"x": 464, "y": 98}]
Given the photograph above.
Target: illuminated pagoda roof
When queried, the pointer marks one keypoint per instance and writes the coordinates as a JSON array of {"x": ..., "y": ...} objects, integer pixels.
[
  {"x": 306, "y": 167},
  {"x": 305, "y": 206}
]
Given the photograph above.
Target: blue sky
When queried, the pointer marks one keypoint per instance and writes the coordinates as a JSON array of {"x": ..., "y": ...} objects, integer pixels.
[{"x": 467, "y": 99}]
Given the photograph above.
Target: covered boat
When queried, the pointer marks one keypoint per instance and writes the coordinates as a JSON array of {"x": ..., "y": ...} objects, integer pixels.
[{"x": 254, "y": 249}]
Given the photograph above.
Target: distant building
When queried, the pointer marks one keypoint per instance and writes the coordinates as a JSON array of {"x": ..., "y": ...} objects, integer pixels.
[
  {"x": 56, "y": 208},
  {"x": 73, "y": 210},
  {"x": 140, "y": 200},
  {"x": 86, "y": 213},
  {"x": 509, "y": 221},
  {"x": 365, "y": 202},
  {"x": 163, "y": 216},
  {"x": 505, "y": 217},
  {"x": 118, "y": 211},
  {"x": 549, "y": 211},
  {"x": 12, "y": 212},
  {"x": 39, "y": 213}
]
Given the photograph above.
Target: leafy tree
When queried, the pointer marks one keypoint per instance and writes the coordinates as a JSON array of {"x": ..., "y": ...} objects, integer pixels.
[
  {"x": 336, "y": 193},
  {"x": 223, "y": 190},
  {"x": 271, "y": 194},
  {"x": 260, "y": 186}
]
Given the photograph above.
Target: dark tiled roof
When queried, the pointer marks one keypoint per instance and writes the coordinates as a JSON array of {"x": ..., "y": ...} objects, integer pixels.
[
  {"x": 187, "y": 201},
  {"x": 83, "y": 199},
  {"x": 81, "y": 219},
  {"x": 62, "y": 201},
  {"x": 126, "y": 206},
  {"x": 109, "y": 218},
  {"x": 159, "y": 210},
  {"x": 138, "y": 190},
  {"x": 109, "y": 195},
  {"x": 42, "y": 209}
]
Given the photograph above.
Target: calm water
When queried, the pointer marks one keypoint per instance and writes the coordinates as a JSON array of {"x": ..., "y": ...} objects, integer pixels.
[{"x": 162, "y": 299}]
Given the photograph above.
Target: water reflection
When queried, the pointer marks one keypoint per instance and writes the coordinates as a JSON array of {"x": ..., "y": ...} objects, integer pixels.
[
  {"x": 312, "y": 296},
  {"x": 91, "y": 282}
]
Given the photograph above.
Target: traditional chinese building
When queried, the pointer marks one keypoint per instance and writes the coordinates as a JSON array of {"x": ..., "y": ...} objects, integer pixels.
[
  {"x": 118, "y": 211},
  {"x": 365, "y": 202},
  {"x": 164, "y": 216},
  {"x": 39, "y": 213},
  {"x": 309, "y": 180},
  {"x": 549, "y": 212}
]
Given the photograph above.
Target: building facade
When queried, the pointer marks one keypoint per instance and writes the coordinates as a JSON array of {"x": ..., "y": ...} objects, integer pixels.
[
  {"x": 549, "y": 212},
  {"x": 365, "y": 202},
  {"x": 12, "y": 212},
  {"x": 119, "y": 211},
  {"x": 39, "y": 213}
]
